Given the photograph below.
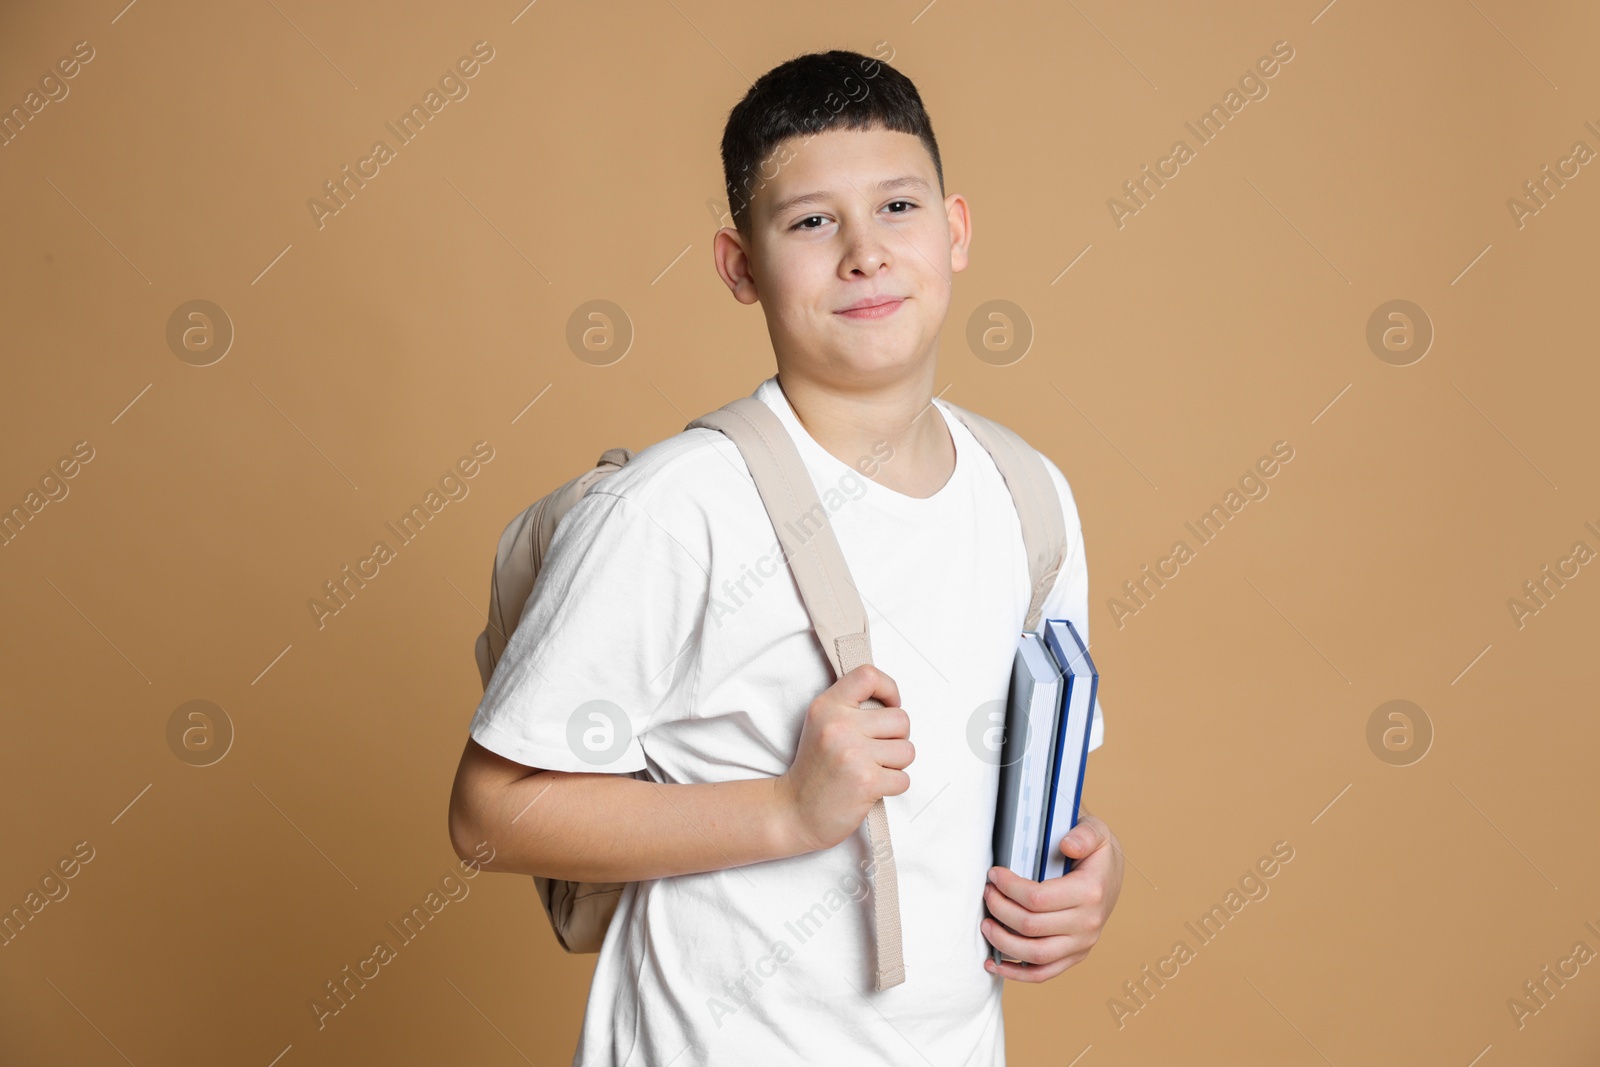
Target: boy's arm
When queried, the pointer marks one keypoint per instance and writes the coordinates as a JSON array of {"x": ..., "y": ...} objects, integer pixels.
[
  {"x": 586, "y": 827},
  {"x": 523, "y": 790}
]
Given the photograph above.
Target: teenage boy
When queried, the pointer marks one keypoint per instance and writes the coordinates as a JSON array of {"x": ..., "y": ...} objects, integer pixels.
[{"x": 745, "y": 933}]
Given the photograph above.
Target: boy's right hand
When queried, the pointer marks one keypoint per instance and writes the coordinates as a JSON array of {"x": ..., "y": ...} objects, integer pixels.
[{"x": 849, "y": 758}]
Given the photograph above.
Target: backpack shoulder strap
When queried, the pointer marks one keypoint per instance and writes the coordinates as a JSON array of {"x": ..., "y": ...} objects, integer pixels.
[
  {"x": 835, "y": 607},
  {"x": 1044, "y": 531},
  {"x": 801, "y": 523}
]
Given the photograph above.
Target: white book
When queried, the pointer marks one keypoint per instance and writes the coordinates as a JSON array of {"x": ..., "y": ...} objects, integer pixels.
[{"x": 1026, "y": 753}]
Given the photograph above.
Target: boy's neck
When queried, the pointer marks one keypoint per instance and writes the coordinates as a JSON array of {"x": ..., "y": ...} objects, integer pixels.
[{"x": 852, "y": 425}]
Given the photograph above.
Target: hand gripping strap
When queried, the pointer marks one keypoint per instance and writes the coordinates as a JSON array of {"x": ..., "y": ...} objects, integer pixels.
[
  {"x": 854, "y": 651},
  {"x": 835, "y": 607}
]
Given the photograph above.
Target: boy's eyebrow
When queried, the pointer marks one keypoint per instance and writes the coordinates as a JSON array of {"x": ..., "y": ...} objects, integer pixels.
[{"x": 909, "y": 181}]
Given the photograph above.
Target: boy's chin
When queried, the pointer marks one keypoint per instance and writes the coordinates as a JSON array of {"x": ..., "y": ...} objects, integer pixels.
[{"x": 883, "y": 358}]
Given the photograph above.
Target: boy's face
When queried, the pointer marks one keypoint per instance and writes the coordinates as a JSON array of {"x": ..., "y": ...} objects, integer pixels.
[{"x": 872, "y": 228}]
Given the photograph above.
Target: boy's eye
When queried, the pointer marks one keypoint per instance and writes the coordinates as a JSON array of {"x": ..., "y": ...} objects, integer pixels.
[{"x": 801, "y": 225}]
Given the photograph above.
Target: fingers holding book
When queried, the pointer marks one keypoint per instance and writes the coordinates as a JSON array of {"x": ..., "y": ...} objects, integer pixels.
[{"x": 1048, "y": 926}]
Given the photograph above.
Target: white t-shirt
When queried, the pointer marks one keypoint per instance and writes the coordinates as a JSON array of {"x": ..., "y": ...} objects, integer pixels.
[{"x": 665, "y": 593}]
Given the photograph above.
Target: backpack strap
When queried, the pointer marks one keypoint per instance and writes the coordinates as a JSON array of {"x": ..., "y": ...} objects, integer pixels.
[
  {"x": 1044, "y": 530},
  {"x": 835, "y": 607}
]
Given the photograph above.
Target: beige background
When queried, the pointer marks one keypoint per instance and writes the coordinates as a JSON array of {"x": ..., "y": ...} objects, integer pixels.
[{"x": 369, "y": 354}]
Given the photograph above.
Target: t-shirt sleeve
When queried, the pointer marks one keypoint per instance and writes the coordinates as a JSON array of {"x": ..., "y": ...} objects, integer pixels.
[
  {"x": 1069, "y": 597},
  {"x": 606, "y": 646}
]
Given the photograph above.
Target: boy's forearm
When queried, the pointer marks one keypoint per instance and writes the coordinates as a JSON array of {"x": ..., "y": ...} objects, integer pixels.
[{"x": 612, "y": 828}]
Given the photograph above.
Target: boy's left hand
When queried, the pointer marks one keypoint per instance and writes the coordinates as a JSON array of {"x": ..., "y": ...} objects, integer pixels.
[{"x": 1053, "y": 924}]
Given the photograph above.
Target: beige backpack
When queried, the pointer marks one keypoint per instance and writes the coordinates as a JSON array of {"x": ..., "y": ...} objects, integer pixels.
[{"x": 581, "y": 911}]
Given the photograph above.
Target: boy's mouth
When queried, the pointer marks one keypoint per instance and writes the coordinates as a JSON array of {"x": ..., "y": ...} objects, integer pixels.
[{"x": 873, "y": 307}]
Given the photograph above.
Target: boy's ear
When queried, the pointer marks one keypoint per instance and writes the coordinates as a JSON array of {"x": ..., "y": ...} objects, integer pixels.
[
  {"x": 731, "y": 258},
  {"x": 959, "y": 216}
]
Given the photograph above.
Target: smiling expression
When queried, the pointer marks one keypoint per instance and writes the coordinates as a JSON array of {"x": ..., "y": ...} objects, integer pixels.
[{"x": 851, "y": 253}]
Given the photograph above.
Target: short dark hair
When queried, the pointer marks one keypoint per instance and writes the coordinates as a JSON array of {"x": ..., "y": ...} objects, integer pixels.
[{"x": 805, "y": 96}]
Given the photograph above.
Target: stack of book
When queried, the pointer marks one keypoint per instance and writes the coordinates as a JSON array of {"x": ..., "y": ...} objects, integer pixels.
[{"x": 1049, "y": 710}]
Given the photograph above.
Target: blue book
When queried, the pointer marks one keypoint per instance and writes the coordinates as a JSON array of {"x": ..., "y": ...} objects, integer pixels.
[{"x": 1080, "y": 685}]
